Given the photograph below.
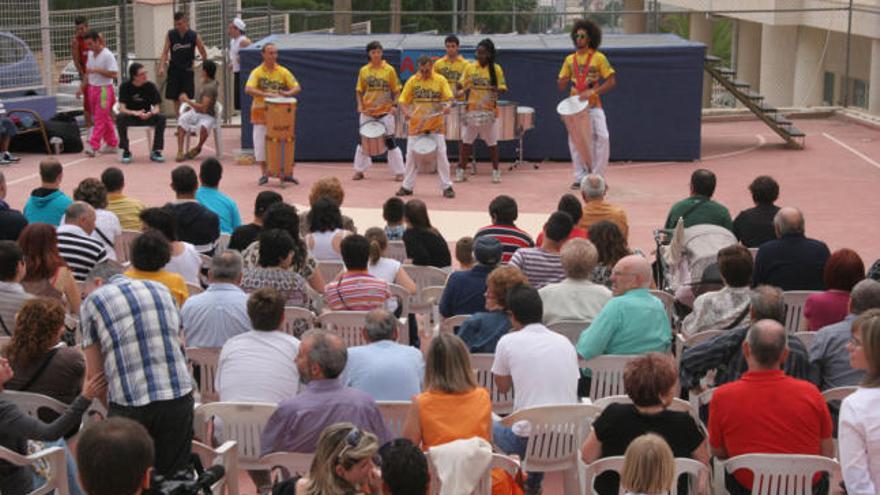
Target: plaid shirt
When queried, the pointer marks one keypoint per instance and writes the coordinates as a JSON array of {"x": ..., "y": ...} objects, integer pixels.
[
  {"x": 724, "y": 353},
  {"x": 136, "y": 325}
]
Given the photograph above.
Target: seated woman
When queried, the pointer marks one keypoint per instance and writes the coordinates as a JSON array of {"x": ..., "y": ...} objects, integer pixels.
[
  {"x": 729, "y": 307},
  {"x": 843, "y": 270},
  {"x": 383, "y": 268},
  {"x": 276, "y": 255},
  {"x": 325, "y": 230},
  {"x": 453, "y": 406},
  {"x": 651, "y": 382},
  {"x": 648, "y": 467},
  {"x": 107, "y": 225},
  {"x": 343, "y": 463},
  {"x": 329, "y": 187},
  {"x": 482, "y": 331},
  {"x": 46, "y": 272},
  {"x": 611, "y": 244},
  {"x": 425, "y": 246},
  {"x": 150, "y": 253},
  {"x": 185, "y": 260}
]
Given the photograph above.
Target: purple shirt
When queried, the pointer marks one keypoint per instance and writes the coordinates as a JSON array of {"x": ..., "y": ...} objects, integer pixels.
[{"x": 298, "y": 421}]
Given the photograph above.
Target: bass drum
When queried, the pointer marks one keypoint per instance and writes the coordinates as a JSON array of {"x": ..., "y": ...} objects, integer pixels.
[{"x": 506, "y": 120}]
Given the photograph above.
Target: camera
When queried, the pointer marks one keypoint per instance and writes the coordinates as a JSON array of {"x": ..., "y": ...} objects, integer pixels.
[{"x": 185, "y": 483}]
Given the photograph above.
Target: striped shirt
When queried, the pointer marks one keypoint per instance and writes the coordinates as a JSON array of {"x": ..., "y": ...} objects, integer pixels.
[
  {"x": 356, "y": 291},
  {"x": 80, "y": 251},
  {"x": 136, "y": 326},
  {"x": 539, "y": 266},
  {"x": 127, "y": 209},
  {"x": 510, "y": 237}
]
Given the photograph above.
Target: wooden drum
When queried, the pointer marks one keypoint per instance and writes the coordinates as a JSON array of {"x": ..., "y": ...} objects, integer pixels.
[{"x": 280, "y": 136}]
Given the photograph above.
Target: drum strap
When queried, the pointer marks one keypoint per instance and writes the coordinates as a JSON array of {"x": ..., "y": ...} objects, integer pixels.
[{"x": 581, "y": 73}]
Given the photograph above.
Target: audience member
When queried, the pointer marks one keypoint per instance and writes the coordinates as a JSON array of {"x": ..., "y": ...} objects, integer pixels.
[
  {"x": 325, "y": 230},
  {"x": 140, "y": 106},
  {"x": 465, "y": 290},
  {"x": 593, "y": 189},
  {"x": 858, "y": 414},
  {"x": 754, "y": 226},
  {"x": 123, "y": 320},
  {"x": 425, "y": 245},
  {"x": 724, "y": 352},
  {"x": 699, "y": 208},
  {"x": 126, "y": 208},
  {"x": 209, "y": 196},
  {"x": 453, "y": 406},
  {"x": 795, "y": 419},
  {"x": 568, "y": 203},
  {"x": 80, "y": 251},
  {"x": 464, "y": 252},
  {"x": 273, "y": 270},
  {"x": 197, "y": 225},
  {"x": 829, "y": 356},
  {"x": 542, "y": 265},
  {"x": 517, "y": 354},
  {"x": 503, "y": 211},
  {"x": 651, "y": 383},
  {"x": 404, "y": 468},
  {"x": 46, "y": 272},
  {"x": 383, "y": 368},
  {"x": 107, "y": 226},
  {"x": 150, "y": 252},
  {"x": 12, "y": 222},
  {"x": 648, "y": 466},
  {"x": 220, "y": 312},
  {"x": 185, "y": 260},
  {"x": 115, "y": 457},
  {"x": 244, "y": 235},
  {"x": 611, "y": 246},
  {"x": 8, "y": 130},
  {"x": 874, "y": 271},
  {"x": 793, "y": 261},
  {"x": 343, "y": 463},
  {"x": 201, "y": 117},
  {"x": 329, "y": 187},
  {"x": 576, "y": 297},
  {"x": 356, "y": 289},
  {"x": 728, "y": 307},
  {"x": 388, "y": 269},
  {"x": 12, "y": 294},
  {"x": 843, "y": 270},
  {"x": 483, "y": 329},
  {"x": 47, "y": 203},
  {"x": 296, "y": 424},
  {"x": 392, "y": 213}
]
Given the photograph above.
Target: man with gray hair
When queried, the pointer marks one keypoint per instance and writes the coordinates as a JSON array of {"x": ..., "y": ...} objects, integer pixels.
[
  {"x": 792, "y": 261},
  {"x": 383, "y": 368},
  {"x": 220, "y": 312},
  {"x": 593, "y": 189},
  {"x": 12, "y": 222},
  {"x": 767, "y": 412},
  {"x": 75, "y": 244},
  {"x": 323, "y": 401},
  {"x": 576, "y": 297}
]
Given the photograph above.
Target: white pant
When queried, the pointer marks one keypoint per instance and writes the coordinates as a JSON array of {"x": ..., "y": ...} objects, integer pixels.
[
  {"x": 488, "y": 132},
  {"x": 363, "y": 161},
  {"x": 601, "y": 147},
  {"x": 412, "y": 168},
  {"x": 192, "y": 121},
  {"x": 260, "y": 142}
]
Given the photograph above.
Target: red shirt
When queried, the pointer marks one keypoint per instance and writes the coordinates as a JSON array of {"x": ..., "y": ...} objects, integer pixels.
[
  {"x": 768, "y": 412},
  {"x": 510, "y": 236},
  {"x": 83, "y": 51},
  {"x": 576, "y": 233}
]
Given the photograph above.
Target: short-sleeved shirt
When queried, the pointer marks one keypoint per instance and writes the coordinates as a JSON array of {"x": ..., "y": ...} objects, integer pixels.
[
  {"x": 263, "y": 79},
  {"x": 599, "y": 69},
  {"x": 222, "y": 205},
  {"x": 510, "y": 236},
  {"x": 258, "y": 366},
  {"x": 539, "y": 266},
  {"x": 426, "y": 95},
  {"x": 210, "y": 89},
  {"x": 452, "y": 71},
  {"x": 128, "y": 210},
  {"x": 481, "y": 96},
  {"x": 699, "y": 210},
  {"x": 632, "y": 323},
  {"x": 173, "y": 281},
  {"x": 139, "y": 98},
  {"x": 103, "y": 60},
  {"x": 378, "y": 87},
  {"x": 386, "y": 370},
  {"x": 356, "y": 292}
]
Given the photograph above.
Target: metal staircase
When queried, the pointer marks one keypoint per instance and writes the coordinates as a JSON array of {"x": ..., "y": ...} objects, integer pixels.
[{"x": 793, "y": 136}]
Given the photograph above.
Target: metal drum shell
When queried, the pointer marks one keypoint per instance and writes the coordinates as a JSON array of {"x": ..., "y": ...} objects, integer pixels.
[
  {"x": 453, "y": 121},
  {"x": 372, "y": 145},
  {"x": 506, "y": 120},
  {"x": 525, "y": 118},
  {"x": 575, "y": 114}
]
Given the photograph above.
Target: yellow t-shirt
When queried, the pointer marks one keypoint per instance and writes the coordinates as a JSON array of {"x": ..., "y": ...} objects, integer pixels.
[
  {"x": 173, "y": 281},
  {"x": 378, "y": 87},
  {"x": 481, "y": 96},
  {"x": 127, "y": 209},
  {"x": 452, "y": 71},
  {"x": 426, "y": 96},
  {"x": 599, "y": 68},
  {"x": 278, "y": 79}
]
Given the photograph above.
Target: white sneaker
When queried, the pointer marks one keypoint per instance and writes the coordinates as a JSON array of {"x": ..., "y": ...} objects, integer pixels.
[
  {"x": 109, "y": 150},
  {"x": 459, "y": 175},
  {"x": 496, "y": 176}
]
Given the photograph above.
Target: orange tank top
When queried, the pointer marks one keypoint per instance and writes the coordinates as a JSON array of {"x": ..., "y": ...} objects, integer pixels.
[{"x": 448, "y": 417}]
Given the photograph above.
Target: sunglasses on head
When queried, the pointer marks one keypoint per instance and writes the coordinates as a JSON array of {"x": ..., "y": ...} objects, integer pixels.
[{"x": 352, "y": 439}]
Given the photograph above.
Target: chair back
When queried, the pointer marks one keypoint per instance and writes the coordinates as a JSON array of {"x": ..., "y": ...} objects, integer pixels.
[
  {"x": 703, "y": 399},
  {"x": 348, "y": 325},
  {"x": 806, "y": 338},
  {"x": 396, "y": 250},
  {"x": 607, "y": 377},
  {"x": 54, "y": 456},
  {"x": 683, "y": 465},
  {"x": 425, "y": 276},
  {"x": 194, "y": 289},
  {"x": 403, "y": 298},
  {"x": 243, "y": 422},
  {"x": 571, "y": 329},
  {"x": 290, "y": 463},
  {"x": 501, "y": 403},
  {"x": 794, "y": 308},
  {"x": 682, "y": 342},
  {"x": 555, "y": 436},
  {"x": 838, "y": 393},
  {"x": 781, "y": 474},
  {"x": 330, "y": 269},
  {"x": 31, "y": 403},
  {"x": 206, "y": 360},
  {"x": 122, "y": 244},
  {"x": 394, "y": 413},
  {"x": 449, "y": 324},
  {"x": 293, "y": 314},
  {"x": 679, "y": 405},
  {"x": 225, "y": 455},
  {"x": 668, "y": 301},
  {"x": 223, "y": 240}
]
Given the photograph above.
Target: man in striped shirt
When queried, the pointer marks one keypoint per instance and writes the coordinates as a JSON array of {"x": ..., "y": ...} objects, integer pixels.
[
  {"x": 503, "y": 210},
  {"x": 355, "y": 289},
  {"x": 80, "y": 251},
  {"x": 543, "y": 265}
]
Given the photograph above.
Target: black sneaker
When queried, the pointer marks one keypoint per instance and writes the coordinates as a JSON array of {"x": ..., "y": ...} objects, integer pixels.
[
  {"x": 403, "y": 192},
  {"x": 448, "y": 192},
  {"x": 290, "y": 178},
  {"x": 263, "y": 180},
  {"x": 126, "y": 157},
  {"x": 10, "y": 157}
]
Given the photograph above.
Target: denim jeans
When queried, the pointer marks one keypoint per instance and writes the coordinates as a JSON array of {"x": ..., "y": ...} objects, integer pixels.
[
  {"x": 72, "y": 480},
  {"x": 511, "y": 443}
]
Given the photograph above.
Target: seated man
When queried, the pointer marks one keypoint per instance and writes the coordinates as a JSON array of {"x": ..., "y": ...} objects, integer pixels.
[
  {"x": 80, "y": 251},
  {"x": 12, "y": 222},
  {"x": 244, "y": 235},
  {"x": 138, "y": 107},
  {"x": 355, "y": 289},
  {"x": 699, "y": 208},
  {"x": 542, "y": 265},
  {"x": 115, "y": 456},
  {"x": 576, "y": 298},
  {"x": 7, "y": 132},
  {"x": 726, "y": 308},
  {"x": 767, "y": 412},
  {"x": 793, "y": 261},
  {"x": 220, "y": 312},
  {"x": 404, "y": 468},
  {"x": 503, "y": 211},
  {"x": 298, "y": 421},
  {"x": 196, "y": 224},
  {"x": 47, "y": 203},
  {"x": 465, "y": 291},
  {"x": 754, "y": 226},
  {"x": 201, "y": 117},
  {"x": 126, "y": 208},
  {"x": 210, "y": 196},
  {"x": 383, "y": 368},
  {"x": 593, "y": 189}
]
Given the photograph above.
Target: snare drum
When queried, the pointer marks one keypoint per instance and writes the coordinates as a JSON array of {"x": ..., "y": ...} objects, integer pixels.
[
  {"x": 373, "y": 137},
  {"x": 425, "y": 151},
  {"x": 507, "y": 120},
  {"x": 478, "y": 118},
  {"x": 525, "y": 118},
  {"x": 575, "y": 114}
]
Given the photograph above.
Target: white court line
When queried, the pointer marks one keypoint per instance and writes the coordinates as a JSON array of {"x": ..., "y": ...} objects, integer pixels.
[
  {"x": 852, "y": 150},
  {"x": 64, "y": 165}
]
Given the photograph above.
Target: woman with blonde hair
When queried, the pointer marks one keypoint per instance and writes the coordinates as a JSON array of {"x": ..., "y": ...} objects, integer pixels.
[
  {"x": 343, "y": 463},
  {"x": 648, "y": 466},
  {"x": 387, "y": 269}
]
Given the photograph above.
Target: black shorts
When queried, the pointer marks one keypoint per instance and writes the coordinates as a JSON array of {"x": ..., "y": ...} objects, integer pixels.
[{"x": 179, "y": 81}]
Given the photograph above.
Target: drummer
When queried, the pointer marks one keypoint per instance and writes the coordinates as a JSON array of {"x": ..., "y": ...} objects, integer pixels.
[
  {"x": 452, "y": 66},
  {"x": 267, "y": 81},
  {"x": 482, "y": 81},
  {"x": 583, "y": 70},
  {"x": 377, "y": 91},
  {"x": 425, "y": 100}
]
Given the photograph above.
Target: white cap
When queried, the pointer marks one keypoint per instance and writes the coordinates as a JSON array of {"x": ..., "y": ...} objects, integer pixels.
[{"x": 239, "y": 24}]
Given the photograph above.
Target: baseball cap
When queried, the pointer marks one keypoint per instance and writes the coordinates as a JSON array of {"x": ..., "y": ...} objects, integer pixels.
[{"x": 487, "y": 250}]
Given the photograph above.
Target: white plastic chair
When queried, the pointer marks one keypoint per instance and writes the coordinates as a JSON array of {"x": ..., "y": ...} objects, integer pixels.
[
  {"x": 501, "y": 403},
  {"x": 148, "y": 130},
  {"x": 223, "y": 241},
  {"x": 54, "y": 456},
  {"x": 776, "y": 474},
  {"x": 243, "y": 422},
  {"x": 555, "y": 438},
  {"x": 485, "y": 486},
  {"x": 349, "y": 325},
  {"x": 680, "y": 405},
  {"x": 31, "y": 403},
  {"x": 206, "y": 359},
  {"x": 448, "y": 325},
  {"x": 607, "y": 375},
  {"x": 571, "y": 329},
  {"x": 122, "y": 244},
  {"x": 394, "y": 413},
  {"x": 682, "y": 342},
  {"x": 683, "y": 465},
  {"x": 294, "y": 313},
  {"x": 403, "y": 298},
  {"x": 838, "y": 393},
  {"x": 425, "y": 276},
  {"x": 794, "y": 308},
  {"x": 806, "y": 338},
  {"x": 194, "y": 289},
  {"x": 217, "y": 132},
  {"x": 225, "y": 455},
  {"x": 289, "y": 463},
  {"x": 330, "y": 269},
  {"x": 396, "y": 250},
  {"x": 668, "y": 301}
]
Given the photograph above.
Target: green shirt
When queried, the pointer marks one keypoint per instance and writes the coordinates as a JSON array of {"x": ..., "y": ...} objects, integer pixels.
[
  {"x": 707, "y": 212},
  {"x": 632, "y": 323}
]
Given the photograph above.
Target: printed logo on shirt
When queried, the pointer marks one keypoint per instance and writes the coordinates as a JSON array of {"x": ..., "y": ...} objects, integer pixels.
[
  {"x": 426, "y": 94},
  {"x": 270, "y": 84},
  {"x": 376, "y": 84},
  {"x": 450, "y": 75},
  {"x": 181, "y": 46}
]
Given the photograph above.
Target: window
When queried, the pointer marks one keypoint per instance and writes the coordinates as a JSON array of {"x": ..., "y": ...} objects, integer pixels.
[{"x": 828, "y": 89}]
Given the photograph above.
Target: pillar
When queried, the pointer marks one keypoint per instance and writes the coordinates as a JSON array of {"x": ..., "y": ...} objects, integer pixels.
[
  {"x": 807, "y": 67},
  {"x": 342, "y": 22},
  {"x": 701, "y": 31},
  {"x": 470, "y": 7},
  {"x": 634, "y": 23},
  {"x": 748, "y": 54},
  {"x": 874, "y": 81},
  {"x": 778, "y": 43},
  {"x": 151, "y": 21},
  {"x": 395, "y": 16}
]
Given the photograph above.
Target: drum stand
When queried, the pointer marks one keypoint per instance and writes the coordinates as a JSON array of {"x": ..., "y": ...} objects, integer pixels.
[{"x": 520, "y": 133}]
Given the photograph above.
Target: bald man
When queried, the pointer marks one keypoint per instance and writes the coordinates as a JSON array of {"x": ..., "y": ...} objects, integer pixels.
[
  {"x": 75, "y": 244},
  {"x": 792, "y": 261}
]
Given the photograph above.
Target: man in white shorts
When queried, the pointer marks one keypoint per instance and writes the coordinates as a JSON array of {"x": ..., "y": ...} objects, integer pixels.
[{"x": 201, "y": 116}]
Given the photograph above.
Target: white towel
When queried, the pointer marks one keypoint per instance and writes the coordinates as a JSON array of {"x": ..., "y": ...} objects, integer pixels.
[{"x": 461, "y": 465}]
